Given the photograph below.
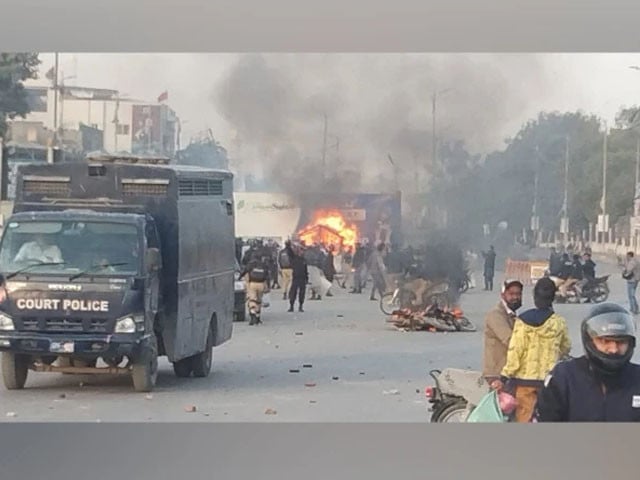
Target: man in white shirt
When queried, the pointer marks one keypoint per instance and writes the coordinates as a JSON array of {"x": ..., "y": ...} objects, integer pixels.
[{"x": 39, "y": 250}]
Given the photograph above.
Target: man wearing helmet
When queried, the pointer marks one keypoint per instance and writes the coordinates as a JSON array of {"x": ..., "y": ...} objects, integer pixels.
[{"x": 601, "y": 386}]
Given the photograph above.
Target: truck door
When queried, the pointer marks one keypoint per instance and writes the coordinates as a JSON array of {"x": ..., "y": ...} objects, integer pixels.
[{"x": 152, "y": 286}]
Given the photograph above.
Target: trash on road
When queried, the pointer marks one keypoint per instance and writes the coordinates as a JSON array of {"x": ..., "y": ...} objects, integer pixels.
[
  {"x": 12, "y": 414},
  {"x": 270, "y": 411},
  {"x": 190, "y": 408},
  {"x": 391, "y": 392}
]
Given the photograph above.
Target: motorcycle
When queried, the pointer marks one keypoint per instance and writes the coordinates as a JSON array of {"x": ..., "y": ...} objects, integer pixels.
[
  {"x": 403, "y": 298},
  {"x": 455, "y": 394},
  {"x": 595, "y": 291}
]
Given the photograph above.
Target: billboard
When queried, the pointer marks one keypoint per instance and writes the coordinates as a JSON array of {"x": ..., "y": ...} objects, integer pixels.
[
  {"x": 377, "y": 216},
  {"x": 146, "y": 129}
]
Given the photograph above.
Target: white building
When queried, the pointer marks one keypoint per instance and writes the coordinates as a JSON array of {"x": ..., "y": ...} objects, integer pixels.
[{"x": 127, "y": 125}]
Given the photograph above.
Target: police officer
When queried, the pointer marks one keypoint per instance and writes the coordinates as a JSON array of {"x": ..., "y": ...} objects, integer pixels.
[
  {"x": 299, "y": 277},
  {"x": 601, "y": 386},
  {"x": 258, "y": 284}
]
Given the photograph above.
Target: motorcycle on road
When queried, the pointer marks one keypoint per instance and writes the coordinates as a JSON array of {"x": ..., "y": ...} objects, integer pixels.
[
  {"x": 595, "y": 291},
  {"x": 455, "y": 394}
]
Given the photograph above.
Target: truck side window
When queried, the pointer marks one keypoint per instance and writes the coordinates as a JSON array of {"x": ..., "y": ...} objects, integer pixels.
[{"x": 152, "y": 236}]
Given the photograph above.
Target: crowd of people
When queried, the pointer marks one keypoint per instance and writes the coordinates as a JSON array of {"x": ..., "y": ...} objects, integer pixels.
[
  {"x": 528, "y": 356},
  {"x": 312, "y": 272}
]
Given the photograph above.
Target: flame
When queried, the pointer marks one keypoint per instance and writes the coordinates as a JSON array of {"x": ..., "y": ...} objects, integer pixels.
[{"x": 329, "y": 227}]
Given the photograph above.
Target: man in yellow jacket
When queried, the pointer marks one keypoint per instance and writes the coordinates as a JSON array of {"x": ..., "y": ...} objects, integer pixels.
[{"x": 540, "y": 338}]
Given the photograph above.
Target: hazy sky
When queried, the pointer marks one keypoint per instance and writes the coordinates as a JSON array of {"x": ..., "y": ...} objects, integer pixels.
[{"x": 596, "y": 83}]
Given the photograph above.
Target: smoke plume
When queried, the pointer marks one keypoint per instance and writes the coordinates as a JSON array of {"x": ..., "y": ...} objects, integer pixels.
[{"x": 375, "y": 106}]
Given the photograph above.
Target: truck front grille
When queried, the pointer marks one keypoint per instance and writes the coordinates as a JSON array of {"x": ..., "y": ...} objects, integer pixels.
[{"x": 63, "y": 324}]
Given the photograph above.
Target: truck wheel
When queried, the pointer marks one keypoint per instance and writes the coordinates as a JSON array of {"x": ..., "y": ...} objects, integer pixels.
[
  {"x": 145, "y": 368},
  {"x": 14, "y": 370},
  {"x": 201, "y": 363},
  {"x": 182, "y": 368}
]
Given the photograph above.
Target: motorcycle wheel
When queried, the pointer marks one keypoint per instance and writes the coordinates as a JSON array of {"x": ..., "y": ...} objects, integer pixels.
[
  {"x": 463, "y": 324},
  {"x": 451, "y": 412},
  {"x": 389, "y": 303},
  {"x": 599, "y": 294}
]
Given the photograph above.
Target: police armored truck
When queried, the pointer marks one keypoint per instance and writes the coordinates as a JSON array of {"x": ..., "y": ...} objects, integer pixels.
[{"x": 110, "y": 263}]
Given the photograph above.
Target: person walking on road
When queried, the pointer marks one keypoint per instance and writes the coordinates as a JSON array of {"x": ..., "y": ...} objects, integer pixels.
[
  {"x": 284, "y": 261},
  {"x": 631, "y": 274},
  {"x": 378, "y": 271},
  {"x": 258, "y": 272},
  {"x": 489, "y": 267},
  {"x": 299, "y": 277}
]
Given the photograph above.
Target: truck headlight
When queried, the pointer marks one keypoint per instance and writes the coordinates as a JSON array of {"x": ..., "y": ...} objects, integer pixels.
[
  {"x": 126, "y": 325},
  {"x": 6, "y": 323}
]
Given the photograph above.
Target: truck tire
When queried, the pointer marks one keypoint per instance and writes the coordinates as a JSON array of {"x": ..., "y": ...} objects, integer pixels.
[
  {"x": 182, "y": 368},
  {"x": 14, "y": 370},
  {"x": 201, "y": 363},
  {"x": 145, "y": 368}
]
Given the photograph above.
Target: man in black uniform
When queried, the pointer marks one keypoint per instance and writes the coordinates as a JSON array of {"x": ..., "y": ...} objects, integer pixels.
[
  {"x": 601, "y": 386},
  {"x": 299, "y": 277}
]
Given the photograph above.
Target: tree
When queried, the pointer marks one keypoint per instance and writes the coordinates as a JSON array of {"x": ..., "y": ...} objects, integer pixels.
[{"x": 15, "y": 68}]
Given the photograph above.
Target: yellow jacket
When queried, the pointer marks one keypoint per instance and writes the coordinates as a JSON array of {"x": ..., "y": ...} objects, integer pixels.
[{"x": 540, "y": 338}]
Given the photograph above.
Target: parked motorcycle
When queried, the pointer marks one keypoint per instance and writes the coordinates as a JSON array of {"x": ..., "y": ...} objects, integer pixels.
[{"x": 455, "y": 394}]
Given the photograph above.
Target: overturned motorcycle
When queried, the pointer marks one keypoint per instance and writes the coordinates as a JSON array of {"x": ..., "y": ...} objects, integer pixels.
[{"x": 433, "y": 318}]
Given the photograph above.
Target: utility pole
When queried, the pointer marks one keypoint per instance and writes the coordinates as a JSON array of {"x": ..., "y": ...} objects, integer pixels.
[
  {"x": 637, "y": 162},
  {"x": 55, "y": 101},
  {"x": 434, "y": 152},
  {"x": 535, "y": 221},
  {"x": 324, "y": 149},
  {"x": 565, "y": 204},
  {"x": 604, "y": 172}
]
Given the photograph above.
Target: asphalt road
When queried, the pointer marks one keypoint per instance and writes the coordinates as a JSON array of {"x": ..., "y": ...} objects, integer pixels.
[{"x": 352, "y": 367}]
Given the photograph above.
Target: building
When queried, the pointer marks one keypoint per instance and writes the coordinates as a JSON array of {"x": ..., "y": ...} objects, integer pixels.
[{"x": 126, "y": 125}]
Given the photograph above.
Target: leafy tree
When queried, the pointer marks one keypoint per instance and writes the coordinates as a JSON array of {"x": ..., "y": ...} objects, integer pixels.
[{"x": 15, "y": 68}]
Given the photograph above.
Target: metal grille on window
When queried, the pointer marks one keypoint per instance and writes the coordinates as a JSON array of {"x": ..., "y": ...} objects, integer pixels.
[
  {"x": 53, "y": 189},
  {"x": 200, "y": 188}
]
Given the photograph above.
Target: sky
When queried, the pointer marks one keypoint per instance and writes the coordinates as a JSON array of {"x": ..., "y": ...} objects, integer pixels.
[{"x": 273, "y": 105}]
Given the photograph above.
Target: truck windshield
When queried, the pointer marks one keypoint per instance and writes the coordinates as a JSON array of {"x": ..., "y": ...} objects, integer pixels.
[{"x": 70, "y": 247}]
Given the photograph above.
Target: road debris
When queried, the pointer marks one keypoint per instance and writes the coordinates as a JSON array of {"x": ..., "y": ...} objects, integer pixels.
[
  {"x": 391, "y": 392},
  {"x": 270, "y": 411},
  {"x": 308, "y": 365},
  {"x": 149, "y": 397},
  {"x": 310, "y": 385},
  {"x": 12, "y": 414},
  {"x": 294, "y": 370},
  {"x": 190, "y": 408}
]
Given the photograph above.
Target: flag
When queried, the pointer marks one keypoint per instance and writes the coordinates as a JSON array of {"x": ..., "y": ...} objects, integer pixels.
[{"x": 164, "y": 96}]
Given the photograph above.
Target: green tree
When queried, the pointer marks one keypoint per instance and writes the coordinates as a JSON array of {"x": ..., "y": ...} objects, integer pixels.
[{"x": 15, "y": 68}]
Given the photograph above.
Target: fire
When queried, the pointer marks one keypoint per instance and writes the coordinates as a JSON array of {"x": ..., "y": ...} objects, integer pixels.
[{"x": 329, "y": 227}]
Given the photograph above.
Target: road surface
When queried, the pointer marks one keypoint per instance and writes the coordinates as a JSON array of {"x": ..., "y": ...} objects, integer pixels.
[{"x": 352, "y": 367}]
